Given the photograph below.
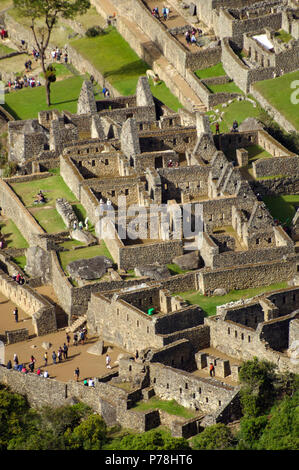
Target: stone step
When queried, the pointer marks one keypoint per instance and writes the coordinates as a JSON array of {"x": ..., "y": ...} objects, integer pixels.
[{"x": 77, "y": 324}]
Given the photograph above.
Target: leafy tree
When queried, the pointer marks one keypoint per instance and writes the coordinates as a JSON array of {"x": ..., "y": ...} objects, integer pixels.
[
  {"x": 13, "y": 411},
  {"x": 257, "y": 386},
  {"x": 91, "y": 434},
  {"x": 282, "y": 430},
  {"x": 61, "y": 419},
  {"x": 215, "y": 437},
  {"x": 152, "y": 440},
  {"x": 251, "y": 430},
  {"x": 49, "y": 11}
]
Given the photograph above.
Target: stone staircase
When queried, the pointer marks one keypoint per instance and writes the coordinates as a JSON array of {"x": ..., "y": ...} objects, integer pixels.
[
  {"x": 139, "y": 41},
  {"x": 77, "y": 324}
]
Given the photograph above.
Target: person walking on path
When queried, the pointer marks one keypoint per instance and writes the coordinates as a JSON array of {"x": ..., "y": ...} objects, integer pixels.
[
  {"x": 77, "y": 373},
  {"x": 217, "y": 127},
  {"x": 212, "y": 370},
  {"x": 68, "y": 339},
  {"x": 16, "y": 314},
  {"x": 54, "y": 357},
  {"x": 65, "y": 351},
  {"x": 75, "y": 342},
  {"x": 16, "y": 360},
  {"x": 59, "y": 354},
  {"x": 46, "y": 359},
  {"x": 32, "y": 361},
  {"x": 108, "y": 361},
  {"x": 82, "y": 337}
]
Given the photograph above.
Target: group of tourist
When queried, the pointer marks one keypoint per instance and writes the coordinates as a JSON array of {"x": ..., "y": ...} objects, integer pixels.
[
  {"x": 80, "y": 226},
  {"x": 171, "y": 164},
  {"x": 21, "y": 367},
  {"x": 24, "y": 82},
  {"x": 18, "y": 278},
  {"x": 165, "y": 12},
  {"x": 57, "y": 54},
  {"x": 80, "y": 337},
  {"x": 40, "y": 198},
  {"x": 89, "y": 382},
  {"x": 190, "y": 35}
]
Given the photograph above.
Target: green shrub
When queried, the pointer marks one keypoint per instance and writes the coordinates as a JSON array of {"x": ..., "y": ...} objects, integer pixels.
[{"x": 94, "y": 31}]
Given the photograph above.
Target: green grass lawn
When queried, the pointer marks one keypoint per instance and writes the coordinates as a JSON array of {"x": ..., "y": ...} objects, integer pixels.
[
  {"x": 229, "y": 87},
  {"x": 67, "y": 257},
  {"x": 209, "y": 304},
  {"x": 255, "y": 152},
  {"x": 239, "y": 110},
  {"x": 12, "y": 236},
  {"x": 53, "y": 187},
  {"x": 175, "y": 269},
  {"x": 171, "y": 407},
  {"x": 283, "y": 35},
  {"x": 26, "y": 103},
  {"x": 215, "y": 71},
  {"x": 49, "y": 219},
  {"x": 282, "y": 208},
  {"x": 20, "y": 261},
  {"x": 278, "y": 92},
  {"x": 5, "y": 50},
  {"x": 120, "y": 65}
]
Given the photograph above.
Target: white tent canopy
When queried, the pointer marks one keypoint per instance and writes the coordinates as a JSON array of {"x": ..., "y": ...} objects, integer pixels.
[{"x": 262, "y": 39}]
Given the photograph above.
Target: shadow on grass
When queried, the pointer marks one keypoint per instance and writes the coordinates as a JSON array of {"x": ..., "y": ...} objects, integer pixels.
[{"x": 138, "y": 67}]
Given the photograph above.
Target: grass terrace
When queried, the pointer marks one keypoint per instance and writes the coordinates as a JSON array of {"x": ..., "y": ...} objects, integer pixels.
[
  {"x": 215, "y": 71},
  {"x": 119, "y": 64},
  {"x": 12, "y": 236},
  {"x": 282, "y": 208},
  {"x": 66, "y": 257},
  {"x": 46, "y": 215},
  {"x": 283, "y": 35},
  {"x": 229, "y": 87},
  {"x": 4, "y": 50},
  {"x": 209, "y": 304},
  {"x": 28, "y": 102},
  {"x": 171, "y": 407},
  {"x": 239, "y": 110},
  {"x": 278, "y": 92}
]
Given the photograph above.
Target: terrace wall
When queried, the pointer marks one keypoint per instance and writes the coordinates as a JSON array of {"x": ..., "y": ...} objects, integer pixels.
[
  {"x": 34, "y": 304},
  {"x": 245, "y": 277},
  {"x": 14, "y": 209}
]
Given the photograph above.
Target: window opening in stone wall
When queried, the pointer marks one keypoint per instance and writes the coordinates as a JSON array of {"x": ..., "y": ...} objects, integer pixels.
[
  {"x": 219, "y": 402},
  {"x": 242, "y": 336},
  {"x": 106, "y": 161},
  {"x": 236, "y": 334},
  {"x": 186, "y": 386},
  {"x": 93, "y": 162},
  {"x": 181, "y": 390},
  {"x": 113, "y": 193},
  {"x": 248, "y": 339},
  {"x": 199, "y": 390},
  {"x": 228, "y": 331},
  {"x": 207, "y": 400}
]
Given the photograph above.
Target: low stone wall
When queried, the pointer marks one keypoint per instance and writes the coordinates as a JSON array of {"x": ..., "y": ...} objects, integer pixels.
[
  {"x": 15, "y": 210},
  {"x": 163, "y": 252},
  {"x": 276, "y": 186},
  {"x": 285, "y": 166},
  {"x": 245, "y": 277},
  {"x": 15, "y": 336},
  {"x": 34, "y": 304}
]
